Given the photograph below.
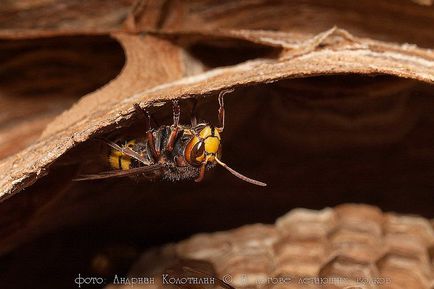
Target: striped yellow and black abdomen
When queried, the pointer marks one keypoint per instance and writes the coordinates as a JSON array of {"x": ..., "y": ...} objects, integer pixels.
[{"x": 120, "y": 161}]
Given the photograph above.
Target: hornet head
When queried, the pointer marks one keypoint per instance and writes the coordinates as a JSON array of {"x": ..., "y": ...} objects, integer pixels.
[{"x": 205, "y": 148}]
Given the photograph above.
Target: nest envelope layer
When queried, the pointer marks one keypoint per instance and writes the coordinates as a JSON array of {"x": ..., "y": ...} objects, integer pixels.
[
  {"x": 332, "y": 52},
  {"x": 157, "y": 69}
]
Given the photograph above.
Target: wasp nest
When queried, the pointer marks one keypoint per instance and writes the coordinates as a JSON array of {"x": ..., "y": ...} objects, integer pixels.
[
  {"x": 350, "y": 246},
  {"x": 332, "y": 103}
]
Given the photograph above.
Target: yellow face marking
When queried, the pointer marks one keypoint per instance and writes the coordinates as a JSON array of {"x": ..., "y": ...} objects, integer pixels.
[
  {"x": 210, "y": 139},
  {"x": 212, "y": 145}
]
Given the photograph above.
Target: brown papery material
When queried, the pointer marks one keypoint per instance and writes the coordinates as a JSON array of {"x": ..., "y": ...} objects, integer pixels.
[
  {"x": 332, "y": 103},
  {"x": 349, "y": 246}
]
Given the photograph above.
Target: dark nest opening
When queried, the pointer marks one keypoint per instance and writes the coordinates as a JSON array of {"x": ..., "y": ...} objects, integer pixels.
[{"x": 41, "y": 78}]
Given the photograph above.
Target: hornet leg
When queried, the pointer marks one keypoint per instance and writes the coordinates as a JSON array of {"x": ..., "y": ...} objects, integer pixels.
[
  {"x": 174, "y": 132},
  {"x": 149, "y": 135},
  {"x": 221, "y": 112}
]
